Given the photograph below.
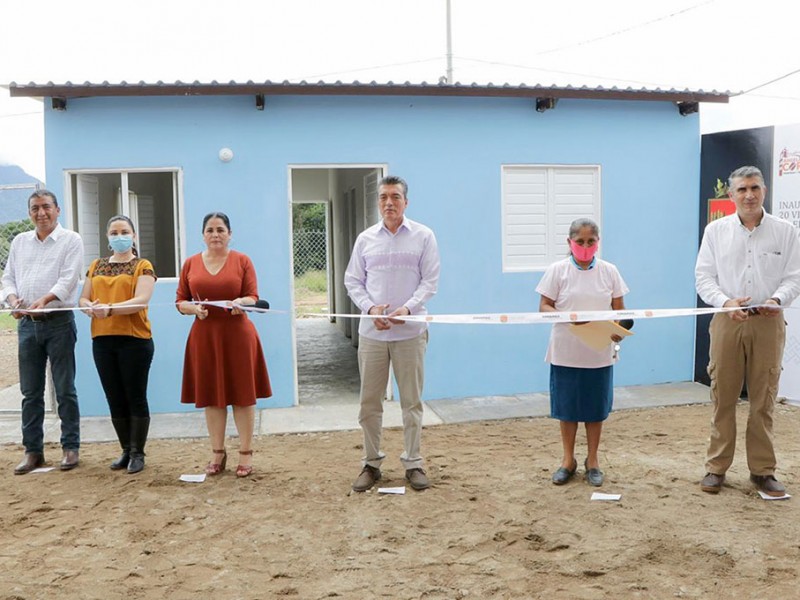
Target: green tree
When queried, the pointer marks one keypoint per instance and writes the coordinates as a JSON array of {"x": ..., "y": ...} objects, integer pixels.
[{"x": 309, "y": 216}]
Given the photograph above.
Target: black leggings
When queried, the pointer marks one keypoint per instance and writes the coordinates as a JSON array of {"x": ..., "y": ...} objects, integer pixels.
[{"x": 123, "y": 363}]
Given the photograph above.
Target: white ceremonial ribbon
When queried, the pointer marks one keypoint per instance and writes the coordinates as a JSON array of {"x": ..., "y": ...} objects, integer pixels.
[
  {"x": 229, "y": 304},
  {"x": 36, "y": 311},
  {"x": 521, "y": 318},
  {"x": 552, "y": 317}
]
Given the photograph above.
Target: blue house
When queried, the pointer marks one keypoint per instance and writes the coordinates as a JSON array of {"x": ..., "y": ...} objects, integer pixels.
[{"x": 498, "y": 172}]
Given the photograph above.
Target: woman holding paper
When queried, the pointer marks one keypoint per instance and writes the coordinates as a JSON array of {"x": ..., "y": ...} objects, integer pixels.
[
  {"x": 115, "y": 296},
  {"x": 224, "y": 362},
  {"x": 581, "y": 377}
]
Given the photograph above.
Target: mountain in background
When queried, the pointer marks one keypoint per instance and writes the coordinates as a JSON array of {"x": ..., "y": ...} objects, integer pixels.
[{"x": 13, "y": 202}]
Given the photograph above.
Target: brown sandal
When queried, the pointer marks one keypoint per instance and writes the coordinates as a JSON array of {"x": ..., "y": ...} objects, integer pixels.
[
  {"x": 244, "y": 470},
  {"x": 217, "y": 468}
]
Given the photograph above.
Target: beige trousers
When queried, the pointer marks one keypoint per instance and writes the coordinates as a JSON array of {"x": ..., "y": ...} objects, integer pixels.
[
  {"x": 407, "y": 360},
  {"x": 749, "y": 350}
]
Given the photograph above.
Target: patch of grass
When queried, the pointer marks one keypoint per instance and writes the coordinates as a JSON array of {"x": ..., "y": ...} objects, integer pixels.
[
  {"x": 311, "y": 282},
  {"x": 311, "y": 292}
]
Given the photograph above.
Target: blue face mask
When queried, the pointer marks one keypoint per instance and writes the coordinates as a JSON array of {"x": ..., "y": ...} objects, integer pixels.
[{"x": 120, "y": 243}]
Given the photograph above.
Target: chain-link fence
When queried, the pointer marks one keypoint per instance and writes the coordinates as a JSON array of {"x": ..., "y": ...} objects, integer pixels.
[
  {"x": 8, "y": 231},
  {"x": 310, "y": 271}
]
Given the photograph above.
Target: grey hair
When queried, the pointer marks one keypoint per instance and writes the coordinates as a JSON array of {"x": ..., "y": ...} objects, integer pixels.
[
  {"x": 395, "y": 180},
  {"x": 578, "y": 224},
  {"x": 744, "y": 172}
]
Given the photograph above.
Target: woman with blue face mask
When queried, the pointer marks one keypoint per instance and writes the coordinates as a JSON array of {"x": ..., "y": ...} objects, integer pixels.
[{"x": 115, "y": 297}]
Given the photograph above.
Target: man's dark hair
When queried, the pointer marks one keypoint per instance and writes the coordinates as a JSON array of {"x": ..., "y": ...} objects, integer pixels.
[
  {"x": 395, "y": 180},
  {"x": 41, "y": 194}
]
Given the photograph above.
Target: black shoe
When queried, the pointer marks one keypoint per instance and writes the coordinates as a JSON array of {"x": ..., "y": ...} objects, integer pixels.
[
  {"x": 769, "y": 485},
  {"x": 32, "y": 460},
  {"x": 368, "y": 477},
  {"x": 121, "y": 462},
  {"x": 70, "y": 461},
  {"x": 712, "y": 483},
  {"x": 139, "y": 428},
  {"x": 594, "y": 476},
  {"x": 563, "y": 475},
  {"x": 123, "y": 429},
  {"x": 417, "y": 479}
]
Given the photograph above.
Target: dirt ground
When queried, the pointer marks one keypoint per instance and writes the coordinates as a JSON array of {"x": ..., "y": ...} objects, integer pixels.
[
  {"x": 9, "y": 374},
  {"x": 492, "y": 525}
]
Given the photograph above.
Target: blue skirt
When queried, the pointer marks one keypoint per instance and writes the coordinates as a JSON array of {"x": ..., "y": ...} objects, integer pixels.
[{"x": 583, "y": 395}]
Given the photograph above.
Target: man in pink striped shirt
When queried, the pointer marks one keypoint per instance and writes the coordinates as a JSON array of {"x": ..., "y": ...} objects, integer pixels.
[{"x": 393, "y": 271}]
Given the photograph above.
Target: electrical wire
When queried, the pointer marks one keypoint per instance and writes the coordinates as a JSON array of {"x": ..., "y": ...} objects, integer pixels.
[
  {"x": 770, "y": 82},
  {"x": 621, "y": 31},
  {"x": 36, "y": 112}
]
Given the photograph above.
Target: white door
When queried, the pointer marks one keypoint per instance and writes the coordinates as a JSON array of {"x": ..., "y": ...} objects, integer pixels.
[
  {"x": 89, "y": 216},
  {"x": 142, "y": 210},
  {"x": 371, "y": 213}
]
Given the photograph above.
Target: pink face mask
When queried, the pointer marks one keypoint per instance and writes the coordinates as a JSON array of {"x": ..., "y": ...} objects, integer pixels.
[{"x": 583, "y": 253}]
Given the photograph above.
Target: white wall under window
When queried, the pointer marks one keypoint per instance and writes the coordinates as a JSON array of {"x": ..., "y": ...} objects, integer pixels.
[{"x": 539, "y": 202}]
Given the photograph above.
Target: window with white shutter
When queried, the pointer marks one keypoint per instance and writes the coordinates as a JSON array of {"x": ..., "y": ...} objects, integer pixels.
[
  {"x": 149, "y": 197},
  {"x": 539, "y": 203}
]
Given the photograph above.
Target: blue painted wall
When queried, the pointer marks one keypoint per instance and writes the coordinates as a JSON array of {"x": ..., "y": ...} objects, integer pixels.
[{"x": 450, "y": 150}]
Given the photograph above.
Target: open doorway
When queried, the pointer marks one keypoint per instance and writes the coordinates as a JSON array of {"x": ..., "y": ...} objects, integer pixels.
[{"x": 330, "y": 205}]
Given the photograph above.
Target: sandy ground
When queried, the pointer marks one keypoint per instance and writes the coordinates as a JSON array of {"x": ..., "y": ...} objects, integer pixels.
[
  {"x": 493, "y": 526},
  {"x": 9, "y": 374}
]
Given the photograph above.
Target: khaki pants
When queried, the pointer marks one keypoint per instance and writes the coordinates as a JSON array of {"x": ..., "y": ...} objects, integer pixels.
[
  {"x": 751, "y": 350},
  {"x": 407, "y": 361}
]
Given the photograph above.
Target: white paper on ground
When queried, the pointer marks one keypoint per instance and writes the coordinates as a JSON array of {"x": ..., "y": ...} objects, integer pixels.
[
  {"x": 602, "y": 496},
  {"x": 43, "y": 470},
  {"x": 194, "y": 478},
  {"x": 768, "y": 497},
  {"x": 392, "y": 490}
]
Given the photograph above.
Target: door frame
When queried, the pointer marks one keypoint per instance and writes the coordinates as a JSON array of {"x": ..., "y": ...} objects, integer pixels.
[{"x": 290, "y": 167}]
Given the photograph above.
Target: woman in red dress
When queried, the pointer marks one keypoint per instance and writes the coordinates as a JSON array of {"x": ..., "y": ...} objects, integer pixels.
[{"x": 224, "y": 363}]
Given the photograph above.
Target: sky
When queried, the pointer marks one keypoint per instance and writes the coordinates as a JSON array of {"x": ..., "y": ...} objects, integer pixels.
[{"x": 724, "y": 45}]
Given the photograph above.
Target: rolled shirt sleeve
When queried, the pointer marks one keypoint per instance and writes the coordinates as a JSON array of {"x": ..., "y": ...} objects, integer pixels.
[
  {"x": 706, "y": 276},
  {"x": 70, "y": 272}
]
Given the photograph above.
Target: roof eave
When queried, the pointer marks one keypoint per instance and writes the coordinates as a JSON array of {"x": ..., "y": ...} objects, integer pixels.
[{"x": 86, "y": 90}]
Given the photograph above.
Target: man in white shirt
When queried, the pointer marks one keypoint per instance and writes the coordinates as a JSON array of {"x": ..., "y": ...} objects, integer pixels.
[
  {"x": 42, "y": 271},
  {"x": 393, "y": 271},
  {"x": 746, "y": 259}
]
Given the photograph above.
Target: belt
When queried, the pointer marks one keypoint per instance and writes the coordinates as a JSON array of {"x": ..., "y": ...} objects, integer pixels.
[{"x": 47, "y": 316}]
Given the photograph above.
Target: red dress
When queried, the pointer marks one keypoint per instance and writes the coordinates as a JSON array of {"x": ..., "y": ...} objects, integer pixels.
[{"x": 224, "y": 363}]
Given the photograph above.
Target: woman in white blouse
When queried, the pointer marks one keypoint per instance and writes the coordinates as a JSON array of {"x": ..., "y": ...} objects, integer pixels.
[{"x": 581, "y": 378}]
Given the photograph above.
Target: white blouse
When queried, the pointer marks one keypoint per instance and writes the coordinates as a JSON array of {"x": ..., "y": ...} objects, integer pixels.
[{"x": 573, "y": 288}]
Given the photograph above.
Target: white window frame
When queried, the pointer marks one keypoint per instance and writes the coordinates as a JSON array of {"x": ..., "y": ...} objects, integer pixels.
[
  {"x": 551, "y": 227},
  {"x": 123, "y": 172}
]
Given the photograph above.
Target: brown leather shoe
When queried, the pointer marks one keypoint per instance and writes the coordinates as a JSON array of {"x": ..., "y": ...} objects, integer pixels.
[
  {"x": 32, "y": 460},
  {"x": 417, "y": 479},
  {"x": 712, "y": 483},
  {"x": 70, "y": 460},
  {"x": 368, "y": 477},
  {"x": 768, "y": 484}
]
